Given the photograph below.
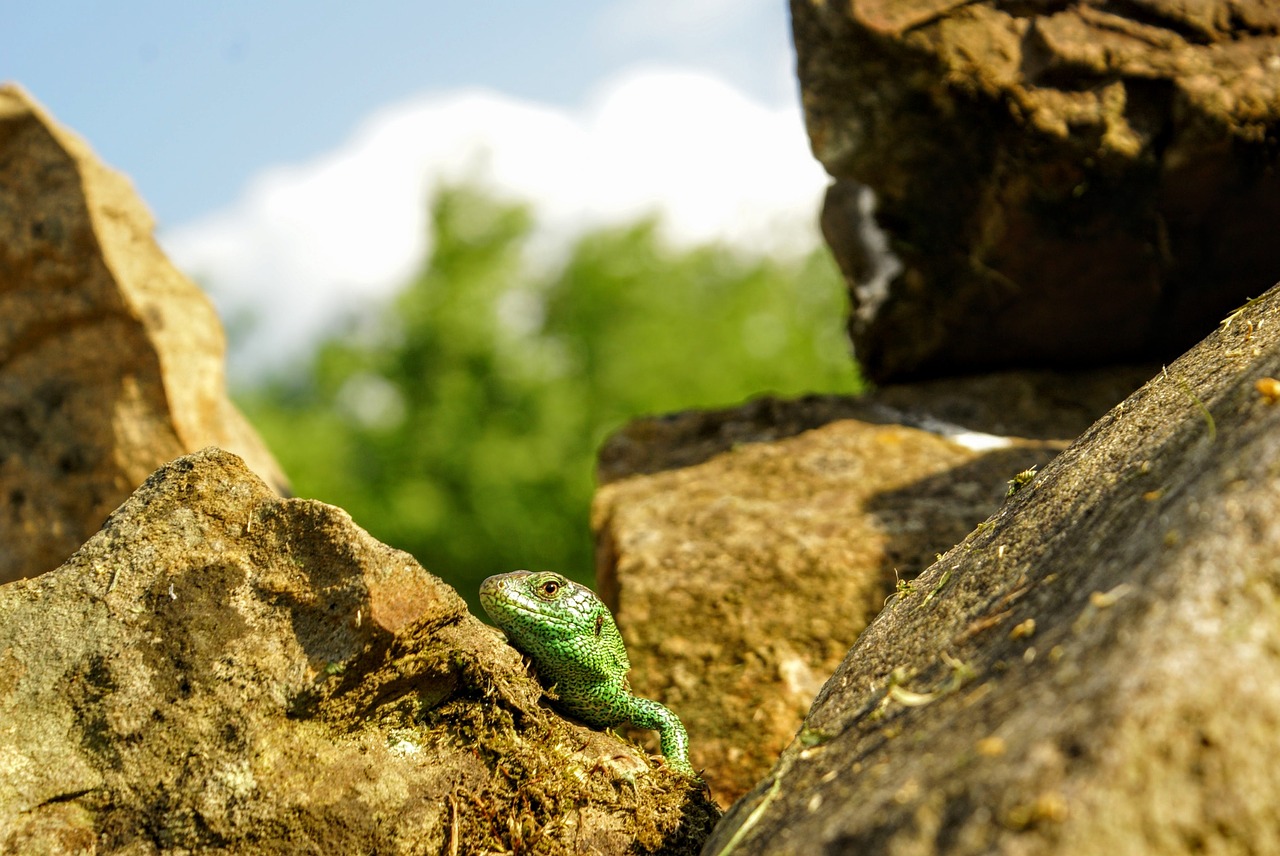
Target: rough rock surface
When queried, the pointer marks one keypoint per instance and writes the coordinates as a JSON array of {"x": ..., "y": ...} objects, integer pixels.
[
  {"x": 745, "y": 550},
  {"x": 111, "y": 361},
  {"x": 221, "y": 670},
  {"x": 1064, "y": 183},
  {"x": 1096, "y": 669}
]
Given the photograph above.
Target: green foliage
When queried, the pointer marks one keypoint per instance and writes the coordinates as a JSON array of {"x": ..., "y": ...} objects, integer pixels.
[{"x": 461, "y": 422}]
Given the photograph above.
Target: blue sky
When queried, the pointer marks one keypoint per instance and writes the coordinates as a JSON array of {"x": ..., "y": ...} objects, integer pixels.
[
  {"x": 191, "y": 99},
  {"x": 288, "y": 149}
]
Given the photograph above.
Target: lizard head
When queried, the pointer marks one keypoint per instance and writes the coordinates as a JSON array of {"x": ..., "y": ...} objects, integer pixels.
[
  {"x": 548, "y": 615},
  {"x": 539, "y": 602}
]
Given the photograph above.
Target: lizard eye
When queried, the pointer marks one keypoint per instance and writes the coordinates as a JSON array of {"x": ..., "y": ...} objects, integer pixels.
[{"x": 550, "y": 587}]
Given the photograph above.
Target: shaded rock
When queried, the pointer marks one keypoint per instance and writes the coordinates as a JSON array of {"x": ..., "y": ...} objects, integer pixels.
[
  {"x": 220, "y": 669},
  {"x": 1064, "y": 184},
  {"x": 744, "y": 550},
  {"x": 111, "y": 361},
  {"x": 1098, "y": 669},
  {"x": 1040, "y": 405}
]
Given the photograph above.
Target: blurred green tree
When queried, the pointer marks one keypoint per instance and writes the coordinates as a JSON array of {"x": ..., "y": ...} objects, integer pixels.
[{"x": 461, "y": 422}]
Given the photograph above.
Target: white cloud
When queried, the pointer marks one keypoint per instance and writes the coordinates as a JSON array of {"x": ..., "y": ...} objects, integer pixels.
[{"x": 307, "y": 242}]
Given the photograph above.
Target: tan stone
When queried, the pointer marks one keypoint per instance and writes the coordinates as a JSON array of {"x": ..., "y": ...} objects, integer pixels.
[
  {"x": 221, "y": 670},
  {"x": 745, "y": 550},
  {"x": 111, "y": 361}
]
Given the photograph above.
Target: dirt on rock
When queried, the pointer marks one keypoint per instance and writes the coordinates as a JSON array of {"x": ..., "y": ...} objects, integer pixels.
[{"x": 219, "y": 669}]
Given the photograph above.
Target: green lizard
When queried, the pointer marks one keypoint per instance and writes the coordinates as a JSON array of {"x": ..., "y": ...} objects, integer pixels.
[{"x": 573, "y": 641}]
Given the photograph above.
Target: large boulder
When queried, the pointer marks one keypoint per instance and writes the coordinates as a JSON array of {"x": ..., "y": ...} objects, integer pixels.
[
  {"x": 1095, "y": 669},
  {"x": 111, "y": 361},
  {"x": 221, "y": 670},
  {"x": 744, "y": 550},
  {"x": 1061, "y": 183}
]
